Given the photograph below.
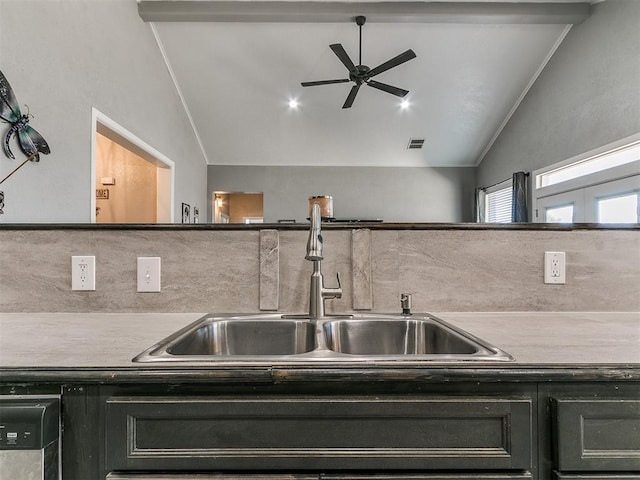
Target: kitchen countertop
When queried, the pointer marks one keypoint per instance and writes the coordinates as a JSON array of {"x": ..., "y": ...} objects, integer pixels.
[{"x": 99, "y": 347}]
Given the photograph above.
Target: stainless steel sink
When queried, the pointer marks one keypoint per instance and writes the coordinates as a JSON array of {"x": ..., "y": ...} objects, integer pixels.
[
  {"x": 396, "y": 337},
  {"x": 247, "y": 337},
  {"x": 281, "y": 339}
]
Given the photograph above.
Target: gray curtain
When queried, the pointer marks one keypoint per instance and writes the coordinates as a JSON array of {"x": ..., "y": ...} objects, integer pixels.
[
  {"x": 481, "y": 195},
  {"x": 519, "y": 207}
]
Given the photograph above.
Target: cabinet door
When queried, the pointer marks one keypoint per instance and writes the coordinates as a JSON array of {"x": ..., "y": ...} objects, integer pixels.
[
  {"x": 597, "y": 435},
  {"x": 318, "y": 433},
  {"x": 589, "y": 476}
]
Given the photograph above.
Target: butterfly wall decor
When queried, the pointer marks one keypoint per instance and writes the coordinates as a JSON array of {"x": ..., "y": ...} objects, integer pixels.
[{"x": 31, "y": 142}]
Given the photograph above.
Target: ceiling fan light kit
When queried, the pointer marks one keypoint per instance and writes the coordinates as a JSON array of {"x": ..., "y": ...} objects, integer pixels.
[{"x": 359, "y": 74}]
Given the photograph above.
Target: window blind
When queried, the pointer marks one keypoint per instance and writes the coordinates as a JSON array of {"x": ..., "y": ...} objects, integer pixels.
[{"x": 498, "y": 205}]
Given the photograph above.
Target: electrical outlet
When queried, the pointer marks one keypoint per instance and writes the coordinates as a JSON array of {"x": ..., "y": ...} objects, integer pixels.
[
  {"x": 83, "y": 273},
  {"x": 148, "y": 274},
  {"x": 554, "y": 267}
]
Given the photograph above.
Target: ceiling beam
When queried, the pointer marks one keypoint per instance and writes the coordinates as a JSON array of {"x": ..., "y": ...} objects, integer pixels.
[{"x": 384, "y": 12}]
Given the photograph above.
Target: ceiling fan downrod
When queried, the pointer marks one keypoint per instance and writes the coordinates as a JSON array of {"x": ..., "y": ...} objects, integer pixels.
[{"x": 360, "y": 21}]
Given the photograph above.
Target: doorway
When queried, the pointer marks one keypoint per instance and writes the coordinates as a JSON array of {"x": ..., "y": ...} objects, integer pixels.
[
  {"x": 132, "y": 182},
  {"x": 237, "y": 207}
]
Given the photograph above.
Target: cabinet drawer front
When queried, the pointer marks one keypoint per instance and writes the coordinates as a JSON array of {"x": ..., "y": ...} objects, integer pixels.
[
  {"x": 323, "y": 476},
  {"x": 430, "y": 476},
  {"x": 205, "y": 476},
  {"x": 326, "y": 433},
  {"x": 597, "y": 435}
]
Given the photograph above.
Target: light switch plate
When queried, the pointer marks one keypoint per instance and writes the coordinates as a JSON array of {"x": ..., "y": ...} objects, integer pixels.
[{"x": 148, "y": 274}]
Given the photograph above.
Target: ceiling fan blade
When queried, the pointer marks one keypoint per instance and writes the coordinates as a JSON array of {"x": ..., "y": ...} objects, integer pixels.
[
  {"x": 399, "y": 92},
  {"x": 352, "y": 96},
  {"x": 394, "y": 62},
  {"x": 340, "y": 52},
  {"x": 324, "y": 82}
]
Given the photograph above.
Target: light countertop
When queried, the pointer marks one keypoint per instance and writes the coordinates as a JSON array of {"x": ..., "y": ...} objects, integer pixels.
[{"x": 102, "y": 341}]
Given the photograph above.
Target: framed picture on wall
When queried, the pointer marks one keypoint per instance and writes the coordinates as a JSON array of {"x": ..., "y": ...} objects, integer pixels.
[{"x": 186, "y": 213}]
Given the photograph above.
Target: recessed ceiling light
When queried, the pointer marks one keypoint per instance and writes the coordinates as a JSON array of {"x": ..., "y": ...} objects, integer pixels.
[
  {"x": 293, "y": 103},
  {"x": 404, "y": 104}
]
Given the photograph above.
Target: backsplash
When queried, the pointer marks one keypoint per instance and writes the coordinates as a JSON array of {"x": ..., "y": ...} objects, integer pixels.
[{"x": 248, "y": 270}]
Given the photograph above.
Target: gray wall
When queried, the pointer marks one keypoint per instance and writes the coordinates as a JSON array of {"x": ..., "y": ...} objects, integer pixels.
[
  {"x": 587, "y": 96},
  {"x": 388, "y": 193},
  {"x": 62, "y": 58}
]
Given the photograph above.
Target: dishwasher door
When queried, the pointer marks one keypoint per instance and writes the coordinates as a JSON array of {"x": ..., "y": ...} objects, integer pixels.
[{"x": 29, "y": 438}]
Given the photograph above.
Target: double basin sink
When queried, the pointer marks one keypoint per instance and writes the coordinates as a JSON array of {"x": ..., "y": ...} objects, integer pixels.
[{"x": 276, "y": 338}]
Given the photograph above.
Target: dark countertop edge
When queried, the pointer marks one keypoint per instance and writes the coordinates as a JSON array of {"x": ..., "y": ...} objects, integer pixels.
[
  {"x": 282, "y": 375},
  {"x": 327, "y": 225}
]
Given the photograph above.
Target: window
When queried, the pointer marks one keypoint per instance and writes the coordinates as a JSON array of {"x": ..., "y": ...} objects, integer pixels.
[
  {"x": 601, "y": 186},
  {"x": 559, "y": 214},
  {"x": 618, "y": 209},
  {"x": 597, "y": 163},
  {"x": 498, "y": 203}
]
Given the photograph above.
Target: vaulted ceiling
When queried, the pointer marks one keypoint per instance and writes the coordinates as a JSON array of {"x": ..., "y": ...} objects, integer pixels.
[{"x": 238, "y": 64}]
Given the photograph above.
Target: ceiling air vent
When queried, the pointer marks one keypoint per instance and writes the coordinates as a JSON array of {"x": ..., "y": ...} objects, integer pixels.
[{"x": 415, "y": 143}]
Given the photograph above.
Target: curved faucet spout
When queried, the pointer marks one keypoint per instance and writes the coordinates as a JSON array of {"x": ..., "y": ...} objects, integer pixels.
[
  {"x": 318, "y": 293},
  {"x": 314, "y": 243}
]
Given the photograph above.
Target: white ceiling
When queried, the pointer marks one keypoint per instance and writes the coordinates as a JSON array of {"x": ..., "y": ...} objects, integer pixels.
[{"x": 236, "y": 79}]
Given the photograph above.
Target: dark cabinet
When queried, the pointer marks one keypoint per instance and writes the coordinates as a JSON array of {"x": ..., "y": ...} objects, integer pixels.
[
  {"x": 349, "y": 430},
  {"x": 329, "y": 433}
]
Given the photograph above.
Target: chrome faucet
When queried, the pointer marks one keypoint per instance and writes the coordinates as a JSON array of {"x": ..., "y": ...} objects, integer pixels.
[{"x": 318, "y": 293}]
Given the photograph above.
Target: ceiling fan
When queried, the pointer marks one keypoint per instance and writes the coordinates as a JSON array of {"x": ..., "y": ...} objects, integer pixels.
[{"x": 360, "y": 74}]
